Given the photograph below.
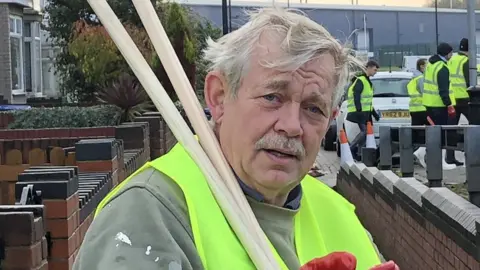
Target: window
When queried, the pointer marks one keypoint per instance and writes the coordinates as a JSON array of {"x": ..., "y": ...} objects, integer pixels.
[
  {"x": 33, "y": 58},
  {"x": 16, "y": 54},
  {"x": 49, "y": 79},
  {"x": 390, "y": 87}
]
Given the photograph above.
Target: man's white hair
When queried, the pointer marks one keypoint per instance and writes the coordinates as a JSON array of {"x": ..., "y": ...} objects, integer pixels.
[{"x": 303, "y": 40}]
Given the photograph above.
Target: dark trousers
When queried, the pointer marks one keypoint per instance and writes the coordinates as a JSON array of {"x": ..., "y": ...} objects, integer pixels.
[
  {"x": 462, "y": 107},
  {"x": 440, "y": 116},
  {"x": 419, "y": 119},
  {"x": 359, "y": 141}
]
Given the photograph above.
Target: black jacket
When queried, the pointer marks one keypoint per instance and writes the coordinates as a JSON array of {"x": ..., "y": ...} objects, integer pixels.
[{"x": 443, "y": 80}]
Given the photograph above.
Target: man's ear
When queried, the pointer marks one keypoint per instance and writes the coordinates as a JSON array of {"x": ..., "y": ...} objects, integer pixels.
[{"x": 215, "y": 91}]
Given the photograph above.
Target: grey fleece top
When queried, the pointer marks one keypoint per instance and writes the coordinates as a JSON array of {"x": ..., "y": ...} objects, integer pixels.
[{"x": 146, "y": 226}]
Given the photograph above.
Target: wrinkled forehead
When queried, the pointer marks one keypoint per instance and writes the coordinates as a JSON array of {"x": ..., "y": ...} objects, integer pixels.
[{"x": 272, "y": 52}]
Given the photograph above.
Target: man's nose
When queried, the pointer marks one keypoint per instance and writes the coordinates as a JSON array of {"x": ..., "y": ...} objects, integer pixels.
[{"x": 289, "y": 121}]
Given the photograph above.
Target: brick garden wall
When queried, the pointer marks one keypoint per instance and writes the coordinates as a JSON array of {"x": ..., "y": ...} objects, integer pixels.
[
  {"x": 73, "y": 169},
  {"x": 5, "y": 118},
  {"x": 23, "y": 243},
  {"x": 418, "y": 227}
]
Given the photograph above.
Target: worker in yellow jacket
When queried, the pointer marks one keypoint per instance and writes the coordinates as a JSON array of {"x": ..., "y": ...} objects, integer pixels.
[
  {"x": 360, "y": 105},
  {"x": 438, "y": 97},
  {"x": 271, "y": 91},
  {"x": 418, "y": 112},
  {"x": 459, "y": 81}
]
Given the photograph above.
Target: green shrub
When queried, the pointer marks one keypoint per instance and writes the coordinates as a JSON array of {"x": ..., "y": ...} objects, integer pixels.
[{"x": 65, "y": 117}]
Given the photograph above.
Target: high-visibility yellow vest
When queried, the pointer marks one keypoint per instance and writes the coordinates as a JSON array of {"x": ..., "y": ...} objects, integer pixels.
[
  {"x": 416, "y": 103},
  {"x": 366, "y": 97},
  {"x": 457, "y": 79},
  {"x": 325, "y": 222},
  {"x": 431, "y": 95}
]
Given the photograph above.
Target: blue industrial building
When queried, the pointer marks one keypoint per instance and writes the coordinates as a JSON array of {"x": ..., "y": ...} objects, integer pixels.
[{"x": 390, "y": 31}]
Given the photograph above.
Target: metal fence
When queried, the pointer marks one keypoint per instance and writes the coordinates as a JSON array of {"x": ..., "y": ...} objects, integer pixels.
[
  {"x": 400, "y": 142},
  {"x": 392, "y": 55}
]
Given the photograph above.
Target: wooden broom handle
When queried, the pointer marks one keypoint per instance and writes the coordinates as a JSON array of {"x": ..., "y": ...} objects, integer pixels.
[{"x": 239, "y": 216}]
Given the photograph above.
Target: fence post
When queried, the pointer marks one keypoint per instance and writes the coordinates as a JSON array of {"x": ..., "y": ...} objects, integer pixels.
[
  {"x": 385, "y": 148},
  {"x": 472, "y": 162},
  {"x": 406, "y": 151},
  {"x": 369, "y": 156},
  {"x": 474, "y": 104},
  {"x": 433, "y": 143}
]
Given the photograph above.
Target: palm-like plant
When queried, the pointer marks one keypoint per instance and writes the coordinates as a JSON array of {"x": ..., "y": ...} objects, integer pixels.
[{"x": 127, "y": 94}]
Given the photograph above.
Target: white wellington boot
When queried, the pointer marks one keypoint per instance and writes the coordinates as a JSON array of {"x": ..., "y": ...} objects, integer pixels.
[
  {"x": 445, "y": 165},
  {"x": 420, "y": 155}
]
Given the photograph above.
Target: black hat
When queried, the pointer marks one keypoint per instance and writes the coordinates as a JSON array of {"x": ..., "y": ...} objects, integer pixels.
[
  {"x": 463, "y": 45},
  {"x": 444, "y": 49}
]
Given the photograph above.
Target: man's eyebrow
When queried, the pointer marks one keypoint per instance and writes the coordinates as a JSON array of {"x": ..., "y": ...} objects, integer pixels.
[{"x": 277, "y": 85}]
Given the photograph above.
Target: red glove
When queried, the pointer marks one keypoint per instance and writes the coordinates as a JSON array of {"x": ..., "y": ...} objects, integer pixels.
[
  {"x": 390, "y": 265},
  {"x": 451, "y": 111},
  {"x": 342, "y": 261},
  {"x": 333, "y": 261}
]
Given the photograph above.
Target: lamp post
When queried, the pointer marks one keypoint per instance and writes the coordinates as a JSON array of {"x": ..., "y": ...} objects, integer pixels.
[
  {"x": 224, "y": 17},
  {"x": 436, "y": 22},
  {"x": 473, "y": 90},
  {"x": 229, "y": 16}
]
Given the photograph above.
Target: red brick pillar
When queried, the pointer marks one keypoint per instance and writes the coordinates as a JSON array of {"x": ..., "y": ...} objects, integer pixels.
[
  {"x": 99, "y": 155},
  {"x": 59, "y": 190},
  {"x": 23, "y": 244}
]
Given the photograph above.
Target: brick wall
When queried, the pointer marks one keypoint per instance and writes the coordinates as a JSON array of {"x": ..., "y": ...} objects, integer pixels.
[
  {"x": 70, "y": 195},
  {"x": 72, "y": 175},
  {"x": 26, "y": 140},
  {"x": 24, "y": 243},
  {"x": 161, "y": 137},
  {"x": 59, "y": 189},
  {"x": 5, "y": 65},
  {"x": 418, "y": 227},
  {"x": 5, "y": 118}
]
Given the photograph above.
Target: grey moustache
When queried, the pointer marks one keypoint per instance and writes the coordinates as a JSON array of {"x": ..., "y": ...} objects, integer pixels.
[{"x": 294, "y": 146}]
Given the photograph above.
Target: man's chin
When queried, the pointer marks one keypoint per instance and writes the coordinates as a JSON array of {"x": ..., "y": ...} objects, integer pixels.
[{"x": 278, "y": 178}]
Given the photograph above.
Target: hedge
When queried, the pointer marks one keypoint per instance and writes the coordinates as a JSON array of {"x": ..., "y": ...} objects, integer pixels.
[{"x": 65, "y": 117}]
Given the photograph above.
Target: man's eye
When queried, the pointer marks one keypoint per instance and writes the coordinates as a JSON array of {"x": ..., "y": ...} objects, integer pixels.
[
  {"x": 315, "y": 109},
  {"x": 271, "y": 97}
]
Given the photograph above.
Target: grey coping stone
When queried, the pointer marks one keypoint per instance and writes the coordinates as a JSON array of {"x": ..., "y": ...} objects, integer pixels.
[
  {"x": 411, "y": 188},
  {"x": 454, "y": 207},
  {"x": 368, "y": 173},
  {"x": 357, "y": 168},
  {"x": 346, "y": 166},
  {"x": 387, "y": 179}
]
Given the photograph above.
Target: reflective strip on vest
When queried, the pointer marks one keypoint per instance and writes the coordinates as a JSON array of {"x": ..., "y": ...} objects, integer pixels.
[
  {"x": 416, "y": 104},
  {"x": 365, "y": 98},
  {"x": 457, "y": 78},
  {"x": 325, "y": 223},
  {"x": 431, "y": 95}
]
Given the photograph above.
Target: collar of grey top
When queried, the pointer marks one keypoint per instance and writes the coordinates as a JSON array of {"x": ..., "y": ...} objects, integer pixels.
[{"x": 293, "y": 198}]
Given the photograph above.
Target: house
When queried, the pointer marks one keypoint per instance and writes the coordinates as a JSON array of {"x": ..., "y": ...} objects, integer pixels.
[{"x": 25, "y": 63}]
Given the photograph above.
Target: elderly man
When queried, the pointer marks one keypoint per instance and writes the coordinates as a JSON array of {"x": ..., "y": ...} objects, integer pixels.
[{"x": 271, "y": 89}]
